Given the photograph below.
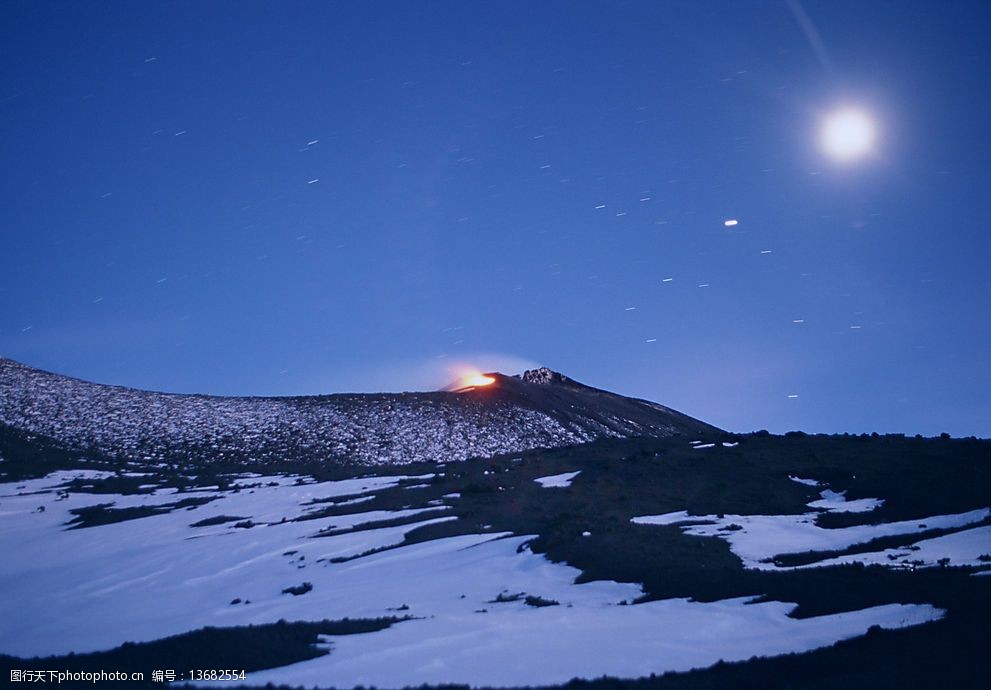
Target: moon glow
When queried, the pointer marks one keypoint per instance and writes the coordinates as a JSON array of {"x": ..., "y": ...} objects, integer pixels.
[{"x": 848, "y": 134}]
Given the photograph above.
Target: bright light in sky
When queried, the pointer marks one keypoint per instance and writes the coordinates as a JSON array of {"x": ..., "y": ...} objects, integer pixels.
[{"x": 848, "y": 134}]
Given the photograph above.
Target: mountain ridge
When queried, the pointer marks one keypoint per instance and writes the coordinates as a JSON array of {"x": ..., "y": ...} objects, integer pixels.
[{"x": 511, "y": 415}]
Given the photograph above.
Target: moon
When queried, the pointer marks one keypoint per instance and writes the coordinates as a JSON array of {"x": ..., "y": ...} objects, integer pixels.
[{"x": 848, "y": 134}]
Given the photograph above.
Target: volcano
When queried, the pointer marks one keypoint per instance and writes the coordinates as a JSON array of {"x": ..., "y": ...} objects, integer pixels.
[
  {"x": 538, "y": 409},
  {"x": 584, "y": 535}
]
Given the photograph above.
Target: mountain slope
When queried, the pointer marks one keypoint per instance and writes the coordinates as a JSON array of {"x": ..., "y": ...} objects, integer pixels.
[
  {"x": 627, "y": 558},
  {"x": 657, "y": 559},
  {"x": 541, "y": 409}
]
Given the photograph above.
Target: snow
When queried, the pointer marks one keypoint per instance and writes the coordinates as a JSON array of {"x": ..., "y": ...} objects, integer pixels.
[
  {"x": 705, "y": 445},
  {"x": 510, "y": 646},
  {"x": 961, "y": 548},
  {"x": 757, "y": 538},
  {"x": 62, "y": 581},
  {"x": 340, "y": 522},
  {"x": 89, "y": 589},
  {"x": 836, "y": 502},
  {"x": 354, "y": 501},
  {"x": 557, "y": 481}
]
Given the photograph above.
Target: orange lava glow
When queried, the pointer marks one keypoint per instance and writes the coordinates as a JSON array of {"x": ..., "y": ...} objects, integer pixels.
[
  {"x": 466, "y": 377},
  {"x": 475, "y": 379}
]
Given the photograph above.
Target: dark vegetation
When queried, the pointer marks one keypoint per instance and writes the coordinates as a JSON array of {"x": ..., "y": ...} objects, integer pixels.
[
  {"x": 506, "y": 597},
  {"x": 106, "y": 514},
  {"x": 623, "y": 479},
  {"x": 539, "y": 602},
  {"x": 379, "y": 524},
  {"x": 248, "y": 648},
  {"x": 216, "y": 520},
  {"x": 26, "y": 455}
]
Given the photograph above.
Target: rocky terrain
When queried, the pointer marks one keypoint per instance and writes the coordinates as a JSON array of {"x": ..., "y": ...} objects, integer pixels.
[{"x": 540, "y": 409}]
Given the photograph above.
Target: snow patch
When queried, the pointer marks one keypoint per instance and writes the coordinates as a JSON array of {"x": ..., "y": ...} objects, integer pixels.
[
  {"x": 963, "y": 548},
  {"x": 557, "y": 481},
  {"x": 836, "y": 502},
  {"x": 509, "y": 646},
  {"x": 757, "y": 539}
]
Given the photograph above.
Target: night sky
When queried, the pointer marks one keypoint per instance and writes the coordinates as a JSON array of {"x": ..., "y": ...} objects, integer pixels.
[{"x": 282, "y": 198}]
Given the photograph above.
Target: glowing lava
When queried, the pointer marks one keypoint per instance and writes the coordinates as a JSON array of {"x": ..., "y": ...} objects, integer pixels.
[
  {"x": 467, "y": 378},
  {"x": 474, "y": 380}
]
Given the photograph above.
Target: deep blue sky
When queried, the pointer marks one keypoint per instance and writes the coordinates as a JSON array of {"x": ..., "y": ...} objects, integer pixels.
[{"x": 160, "y": 228}]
